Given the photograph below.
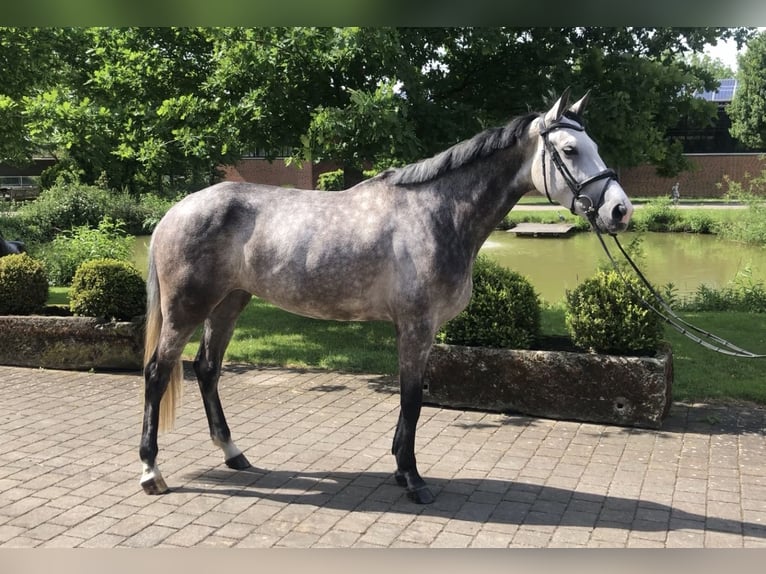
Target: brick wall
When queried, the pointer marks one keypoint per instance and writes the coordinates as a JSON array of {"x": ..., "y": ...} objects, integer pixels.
[
  {"x": 641, "y": 181},
  {"x": 708, "y": 170},
  {"x": 259, "y": 170}
]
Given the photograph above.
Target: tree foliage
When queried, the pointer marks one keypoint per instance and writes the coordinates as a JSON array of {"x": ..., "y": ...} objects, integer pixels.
[
  {"x": 148, "y": 108},
  {"x": 748, "y": 108}
]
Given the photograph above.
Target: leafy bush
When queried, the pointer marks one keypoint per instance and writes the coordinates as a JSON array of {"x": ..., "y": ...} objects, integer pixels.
[
  {"x": 23, "y": 285},
  {"x": 108, "y": 288},
  {"x": 331, "y": 180},
  {"x": 657, "y": 215},
  {"x": 69, "y": 249},
  {"x": 698, "y": 223},
  {"x": 64, "y": 207},
  {"x": 504, "y": 311},
  {"x": 743, "y": 293},
  {"x": 750, "y": 225},
  {"x": 152, "y": 208},
  {"x": 607, "y": 316}
]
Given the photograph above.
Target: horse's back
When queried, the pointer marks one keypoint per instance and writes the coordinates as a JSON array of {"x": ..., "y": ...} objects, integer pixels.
[{"x": 321, "y": 254}]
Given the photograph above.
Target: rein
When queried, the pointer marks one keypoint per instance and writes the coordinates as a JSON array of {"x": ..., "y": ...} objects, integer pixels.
[{"x": 710, "y": 340}]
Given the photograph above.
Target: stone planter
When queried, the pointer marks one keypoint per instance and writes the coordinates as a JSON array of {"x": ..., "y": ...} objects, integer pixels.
[
  {"x": 608, "y": 389},
  {"x": 77, "y": 343}
]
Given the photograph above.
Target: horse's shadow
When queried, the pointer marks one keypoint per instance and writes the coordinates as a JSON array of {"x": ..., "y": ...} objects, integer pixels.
[{"x": 469, "y": 500}]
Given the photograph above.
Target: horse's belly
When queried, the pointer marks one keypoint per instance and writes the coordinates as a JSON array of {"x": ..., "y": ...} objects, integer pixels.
[
  {"x": 333, "y": 296},
  {"x": 339, "y": 310}
]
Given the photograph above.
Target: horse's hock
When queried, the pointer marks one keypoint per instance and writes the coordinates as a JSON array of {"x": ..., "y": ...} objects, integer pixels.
[
  {"x": 76, "y": 343},
  {"x": 607, "y": 389}
]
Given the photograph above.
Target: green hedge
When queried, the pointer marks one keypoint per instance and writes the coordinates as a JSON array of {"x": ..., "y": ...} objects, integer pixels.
[
  {"x": 23, "y": 285},
  {"x": 504, "y": 311},
  {"x": 605, "y": 315},
  {"x": 109, "y": 289}
]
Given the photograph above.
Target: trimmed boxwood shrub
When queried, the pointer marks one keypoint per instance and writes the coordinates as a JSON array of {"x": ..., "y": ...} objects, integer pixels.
[
  {"x": 504, "y": 311},
  {"x": 23, "y": 285},
  {"x": 108, "y": 288},
  {"x": 606, "y": 316}
]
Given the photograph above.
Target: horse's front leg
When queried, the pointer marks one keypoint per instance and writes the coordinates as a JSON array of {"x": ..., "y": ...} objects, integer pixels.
[{"x": 414, "y": 345}]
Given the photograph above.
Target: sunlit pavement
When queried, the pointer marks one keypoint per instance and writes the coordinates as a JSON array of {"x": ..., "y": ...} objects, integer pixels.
[{"x": 322, "y": 476}]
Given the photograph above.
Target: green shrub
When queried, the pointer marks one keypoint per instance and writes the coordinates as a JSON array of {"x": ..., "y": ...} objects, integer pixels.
[
  {"x": 68, "y": 250},
  {"x": 69, "y": 206},
  {"x": 743, "y": 293},
  {"x": 657, "y": 215},
  {"x": 152, "y": 208},
  {"x": 331, "y": 180},
  {"x": 698, "y": 223},
  {"x": 605, "y": 315},
  {"x": 504, "y": 311},
  {"x": 23, "y": 285},
  {"x": 108, "y": 288},
  {"x": 750, "y": 224},
  {"x": 64, "y": 207}
]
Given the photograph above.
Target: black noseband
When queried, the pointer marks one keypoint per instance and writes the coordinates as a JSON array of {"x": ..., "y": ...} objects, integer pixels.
[{"x": 577, "y": 187}]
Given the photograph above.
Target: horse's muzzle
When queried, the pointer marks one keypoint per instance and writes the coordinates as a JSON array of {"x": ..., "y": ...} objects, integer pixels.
[{"x": 617, "y": 218}]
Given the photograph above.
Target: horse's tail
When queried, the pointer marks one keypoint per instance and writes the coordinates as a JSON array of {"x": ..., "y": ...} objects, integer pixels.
[{"x": 172, "y": 397}]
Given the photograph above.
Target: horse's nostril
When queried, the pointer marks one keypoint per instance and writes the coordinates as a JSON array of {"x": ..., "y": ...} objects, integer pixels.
[{"x": 619, "y": 212}]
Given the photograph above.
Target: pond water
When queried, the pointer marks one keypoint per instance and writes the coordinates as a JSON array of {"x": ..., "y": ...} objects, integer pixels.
[{"x": 554, "y": 265}]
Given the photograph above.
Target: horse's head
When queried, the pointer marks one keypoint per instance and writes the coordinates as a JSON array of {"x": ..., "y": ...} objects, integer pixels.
[{"x": 568, "y": 169}]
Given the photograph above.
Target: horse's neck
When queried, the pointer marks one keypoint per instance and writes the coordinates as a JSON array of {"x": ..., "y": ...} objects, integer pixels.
[{"x": 482, "y": 194}]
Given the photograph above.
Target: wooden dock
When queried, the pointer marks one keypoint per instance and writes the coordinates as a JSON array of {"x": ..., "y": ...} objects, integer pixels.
[{"x": 542, "y": 229}]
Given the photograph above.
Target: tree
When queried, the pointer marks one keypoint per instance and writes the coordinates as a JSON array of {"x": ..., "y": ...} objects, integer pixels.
[
  {"x": 151, "y": 107},
  {"x": 31, "y": 60},
  {"x": 640, "y": 83},
  {"x": 715, "y": 66},
  {"x": 748, "y": 108}
]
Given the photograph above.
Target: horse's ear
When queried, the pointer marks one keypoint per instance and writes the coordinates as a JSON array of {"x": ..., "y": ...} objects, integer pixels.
[
  {"x": 554, "y": 114},
  {"x": 578, "y": 108}
]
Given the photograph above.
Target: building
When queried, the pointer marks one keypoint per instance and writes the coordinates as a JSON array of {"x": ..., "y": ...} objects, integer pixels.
[{"x": 712, "y": 151}]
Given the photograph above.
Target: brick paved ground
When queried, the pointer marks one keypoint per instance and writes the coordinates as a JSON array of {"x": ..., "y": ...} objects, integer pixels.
[{"x": 320, "y": 444}]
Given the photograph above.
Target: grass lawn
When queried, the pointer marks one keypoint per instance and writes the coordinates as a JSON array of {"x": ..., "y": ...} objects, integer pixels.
[
  {"x": 266, "y": 335},
  {"x": 58, "y": 296}
]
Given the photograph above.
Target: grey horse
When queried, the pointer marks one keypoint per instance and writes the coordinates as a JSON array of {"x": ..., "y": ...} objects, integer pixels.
[{"x": 398, "y": 247}]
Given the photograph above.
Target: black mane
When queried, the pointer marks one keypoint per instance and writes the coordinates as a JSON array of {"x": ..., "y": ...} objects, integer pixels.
[{"x": 479, "y": 146}]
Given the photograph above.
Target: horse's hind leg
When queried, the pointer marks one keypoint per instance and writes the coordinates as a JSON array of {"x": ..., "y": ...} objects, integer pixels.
[
  {"x": 161, "y": 371},
  {"x": 217, "y": 333},
  {"x": 157, "y": 375}
]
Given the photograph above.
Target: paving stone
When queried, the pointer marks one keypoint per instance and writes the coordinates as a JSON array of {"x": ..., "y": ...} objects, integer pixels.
[{"x": 322, "y": 476}]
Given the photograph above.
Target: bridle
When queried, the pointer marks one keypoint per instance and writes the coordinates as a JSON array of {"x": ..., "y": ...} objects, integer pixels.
[
  {"x": 702, "y": 337},
  {"x": 577, "y": 188}
]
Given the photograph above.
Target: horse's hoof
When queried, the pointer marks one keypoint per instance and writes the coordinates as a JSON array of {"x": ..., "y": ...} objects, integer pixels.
[
  {"x": 154, "y": 484},
  {"x": 238, "y": 462},
  {"x": 421, "y": 495}
]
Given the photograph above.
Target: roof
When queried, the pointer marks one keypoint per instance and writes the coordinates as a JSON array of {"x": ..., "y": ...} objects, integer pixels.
[{"x": 724, "y": 93}]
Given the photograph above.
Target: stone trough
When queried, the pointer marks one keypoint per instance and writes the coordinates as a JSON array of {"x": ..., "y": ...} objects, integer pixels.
[
  {"x": 76, "y": 343},
  {"x": 607, "y": 389}
]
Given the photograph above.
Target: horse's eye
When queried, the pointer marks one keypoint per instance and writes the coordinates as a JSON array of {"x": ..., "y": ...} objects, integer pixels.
[{"x": 569, "y": 151}]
